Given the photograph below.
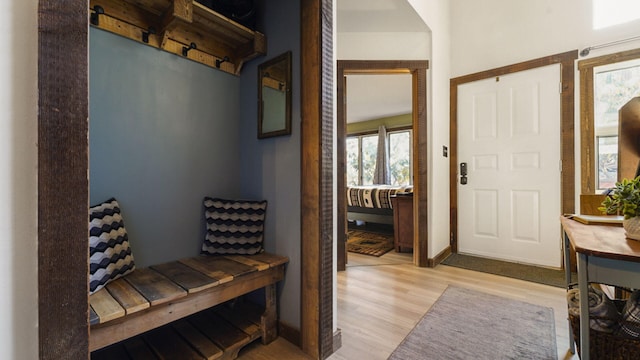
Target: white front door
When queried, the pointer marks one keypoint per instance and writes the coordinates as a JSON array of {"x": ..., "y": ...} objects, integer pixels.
[{"x": 509, "y": 137}]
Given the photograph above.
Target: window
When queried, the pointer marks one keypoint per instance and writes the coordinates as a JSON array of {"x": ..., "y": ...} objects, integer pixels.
[
  {"x": 607, "y": 148},
  {"x": 361, "y": 158},
  {"x": 606, "y": 83},
  {"x": 614, "y": 85},
  {"x": 400, "y": 157}
]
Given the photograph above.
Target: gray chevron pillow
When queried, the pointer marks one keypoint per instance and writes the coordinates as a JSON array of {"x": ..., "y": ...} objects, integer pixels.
[
  {"x": 110, "y": 255},
  {"x": 234, "y": 227}
]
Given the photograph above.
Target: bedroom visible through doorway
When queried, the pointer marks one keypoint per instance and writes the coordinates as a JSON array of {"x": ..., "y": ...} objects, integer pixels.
[{"x": 366, "y": 192}]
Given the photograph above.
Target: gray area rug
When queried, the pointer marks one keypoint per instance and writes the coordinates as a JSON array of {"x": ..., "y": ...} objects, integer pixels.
[
  {"x": 531, "y": 273},
  {"x": 468, "y": 324}
]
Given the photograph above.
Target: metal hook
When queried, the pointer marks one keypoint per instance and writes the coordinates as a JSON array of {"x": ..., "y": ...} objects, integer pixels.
[
  {"x": 145, "y": 34},
  {"x": 219, "y": 62},
  {"x": 95, "y": 16},
  {"x": 185, "y": 50}
]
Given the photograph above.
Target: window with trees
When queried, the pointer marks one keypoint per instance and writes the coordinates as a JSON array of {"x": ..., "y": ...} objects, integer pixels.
[{"x": 361, "y": 157}]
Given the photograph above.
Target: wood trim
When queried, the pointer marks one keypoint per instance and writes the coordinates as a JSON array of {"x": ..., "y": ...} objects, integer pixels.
[
  {"x": 436, "y": 260},
  {"x": 609, "y": 59},
  {"x": 587, "y": 133},
  {"x": 310, "y": 176},
  {"x": 567, "y": 141},
  {"x": 63, "y": 195},
  {"x": 453, "y": 165},
  {"x": 341, "y": 136},
  {"x": 289, "y": 333},
  {"x": 326, "y": 180},
  {"x": 371, "y": 132},
  {"x": 418, "y": 71},
  {"x": 420, "y": 166},
  {"x": 337, "y": 340}
]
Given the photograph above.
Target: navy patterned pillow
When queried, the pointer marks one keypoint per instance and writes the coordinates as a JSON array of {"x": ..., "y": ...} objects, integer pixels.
[
  {"x": 233, "y": 227},
  {"x": 110, "y": 256}
]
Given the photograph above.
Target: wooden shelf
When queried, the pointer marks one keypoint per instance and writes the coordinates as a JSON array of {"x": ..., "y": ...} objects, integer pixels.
[
  {"x": 217, "y": 333},
  {"x": 176, "y": 25}
]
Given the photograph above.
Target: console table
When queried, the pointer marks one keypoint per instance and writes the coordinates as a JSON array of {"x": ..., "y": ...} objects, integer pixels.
[{"x": 605, "y": 256}]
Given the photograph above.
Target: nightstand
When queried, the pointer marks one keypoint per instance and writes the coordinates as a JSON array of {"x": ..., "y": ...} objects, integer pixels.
[{"x": 402, "y": 222}]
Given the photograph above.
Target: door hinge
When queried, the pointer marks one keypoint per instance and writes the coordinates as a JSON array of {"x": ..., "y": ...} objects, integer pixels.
[{"x": 560, "y": 88}]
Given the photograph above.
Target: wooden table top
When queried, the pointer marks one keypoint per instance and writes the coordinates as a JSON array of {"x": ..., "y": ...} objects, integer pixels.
[{"x": 601, "y": 240}]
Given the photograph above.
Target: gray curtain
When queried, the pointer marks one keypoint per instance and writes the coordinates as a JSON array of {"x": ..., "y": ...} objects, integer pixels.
[{"x": 381, "y": 172}]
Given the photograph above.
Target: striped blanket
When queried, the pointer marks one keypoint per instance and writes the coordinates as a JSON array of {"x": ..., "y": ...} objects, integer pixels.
[{"x": 374, "y": 196}]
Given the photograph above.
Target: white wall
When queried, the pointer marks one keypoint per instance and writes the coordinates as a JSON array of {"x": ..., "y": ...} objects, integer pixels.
[
  {"x": 436, "y": 15},
  {"x": 492, "y": 33},
  {"x": 382, "y": 46},
  {"x": 18, "y": 180},
  {"x": 433, "y": 46}
]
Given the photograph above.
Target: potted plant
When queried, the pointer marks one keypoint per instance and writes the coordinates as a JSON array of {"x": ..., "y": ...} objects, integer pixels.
[{"x": 624, "y": 199}]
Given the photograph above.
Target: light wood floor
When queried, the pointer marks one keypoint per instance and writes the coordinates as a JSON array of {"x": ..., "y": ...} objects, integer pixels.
[{"x": 381, "y": 299}]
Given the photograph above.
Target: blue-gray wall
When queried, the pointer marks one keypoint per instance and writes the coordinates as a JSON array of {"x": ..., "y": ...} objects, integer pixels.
[
  {"x": 164, "y": 132},
  {"x": 271, "y": 167}
]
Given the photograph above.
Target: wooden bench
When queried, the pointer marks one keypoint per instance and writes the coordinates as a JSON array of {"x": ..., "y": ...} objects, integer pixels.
[{"x": 177, "y": 301}]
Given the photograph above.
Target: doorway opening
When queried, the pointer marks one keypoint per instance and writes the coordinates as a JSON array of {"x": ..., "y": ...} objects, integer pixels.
[
  {"x": 417, "y": 71},
  {"x": 378, "y": 168}
]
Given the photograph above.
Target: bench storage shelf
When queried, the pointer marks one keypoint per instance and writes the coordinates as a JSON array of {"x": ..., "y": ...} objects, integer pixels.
[
  {"x": 183, "y": 294},
  {"x": 173, "y": 25}
]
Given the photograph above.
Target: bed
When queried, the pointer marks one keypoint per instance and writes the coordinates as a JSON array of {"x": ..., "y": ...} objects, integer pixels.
[{"x": 372, "y": 203}]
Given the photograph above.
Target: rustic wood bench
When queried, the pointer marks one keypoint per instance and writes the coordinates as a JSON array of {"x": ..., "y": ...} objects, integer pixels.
[{"x": 173, "y": 306}]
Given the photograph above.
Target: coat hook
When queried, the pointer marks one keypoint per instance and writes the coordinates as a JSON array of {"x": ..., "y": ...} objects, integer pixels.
[
  {"x": 145, "y": 34},
  {"x": 219, "y": 62},
  {"x": 185, "y": 50},
  {"x": 95, "y": 16}
]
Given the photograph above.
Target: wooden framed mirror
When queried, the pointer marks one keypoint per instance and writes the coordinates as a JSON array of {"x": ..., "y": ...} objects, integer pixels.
[{"x": 274, "y": 97}]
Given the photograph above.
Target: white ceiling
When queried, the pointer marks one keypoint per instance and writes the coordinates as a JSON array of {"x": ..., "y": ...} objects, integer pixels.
[
  {"x": 377, "y": 16},
  {"x": 375, "y": 96}
]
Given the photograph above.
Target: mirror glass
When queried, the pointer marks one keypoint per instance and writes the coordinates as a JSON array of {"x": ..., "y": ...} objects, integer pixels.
[{"x": 274, "y": 97}]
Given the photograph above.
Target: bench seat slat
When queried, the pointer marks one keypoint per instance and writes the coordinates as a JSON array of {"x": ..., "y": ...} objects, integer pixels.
[
  {"x": 156, "y": 288},
  {"x": 166, "y": 341},
  {"x": 218, "y": 267},
  {"x": 105, "y": 306},
  {"x": 130, "y": 299},
  {"x": 93, "y": 317},
  {"x": 249, "y": 260},
  {"x": 188, "y": 278},
  {"x": 201, "y": 343},
  {"x": 272, "y": 259}
]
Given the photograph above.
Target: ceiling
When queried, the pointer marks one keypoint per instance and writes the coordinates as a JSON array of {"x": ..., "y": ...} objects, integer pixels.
[
  {"x": 375, "y": 96},
  {"x": 377, "y": 16}
]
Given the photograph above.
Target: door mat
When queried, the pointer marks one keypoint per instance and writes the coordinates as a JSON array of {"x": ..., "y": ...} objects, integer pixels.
[
  {"x": 541, "y": 275},
  {"x": 369, "y": 243}
]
